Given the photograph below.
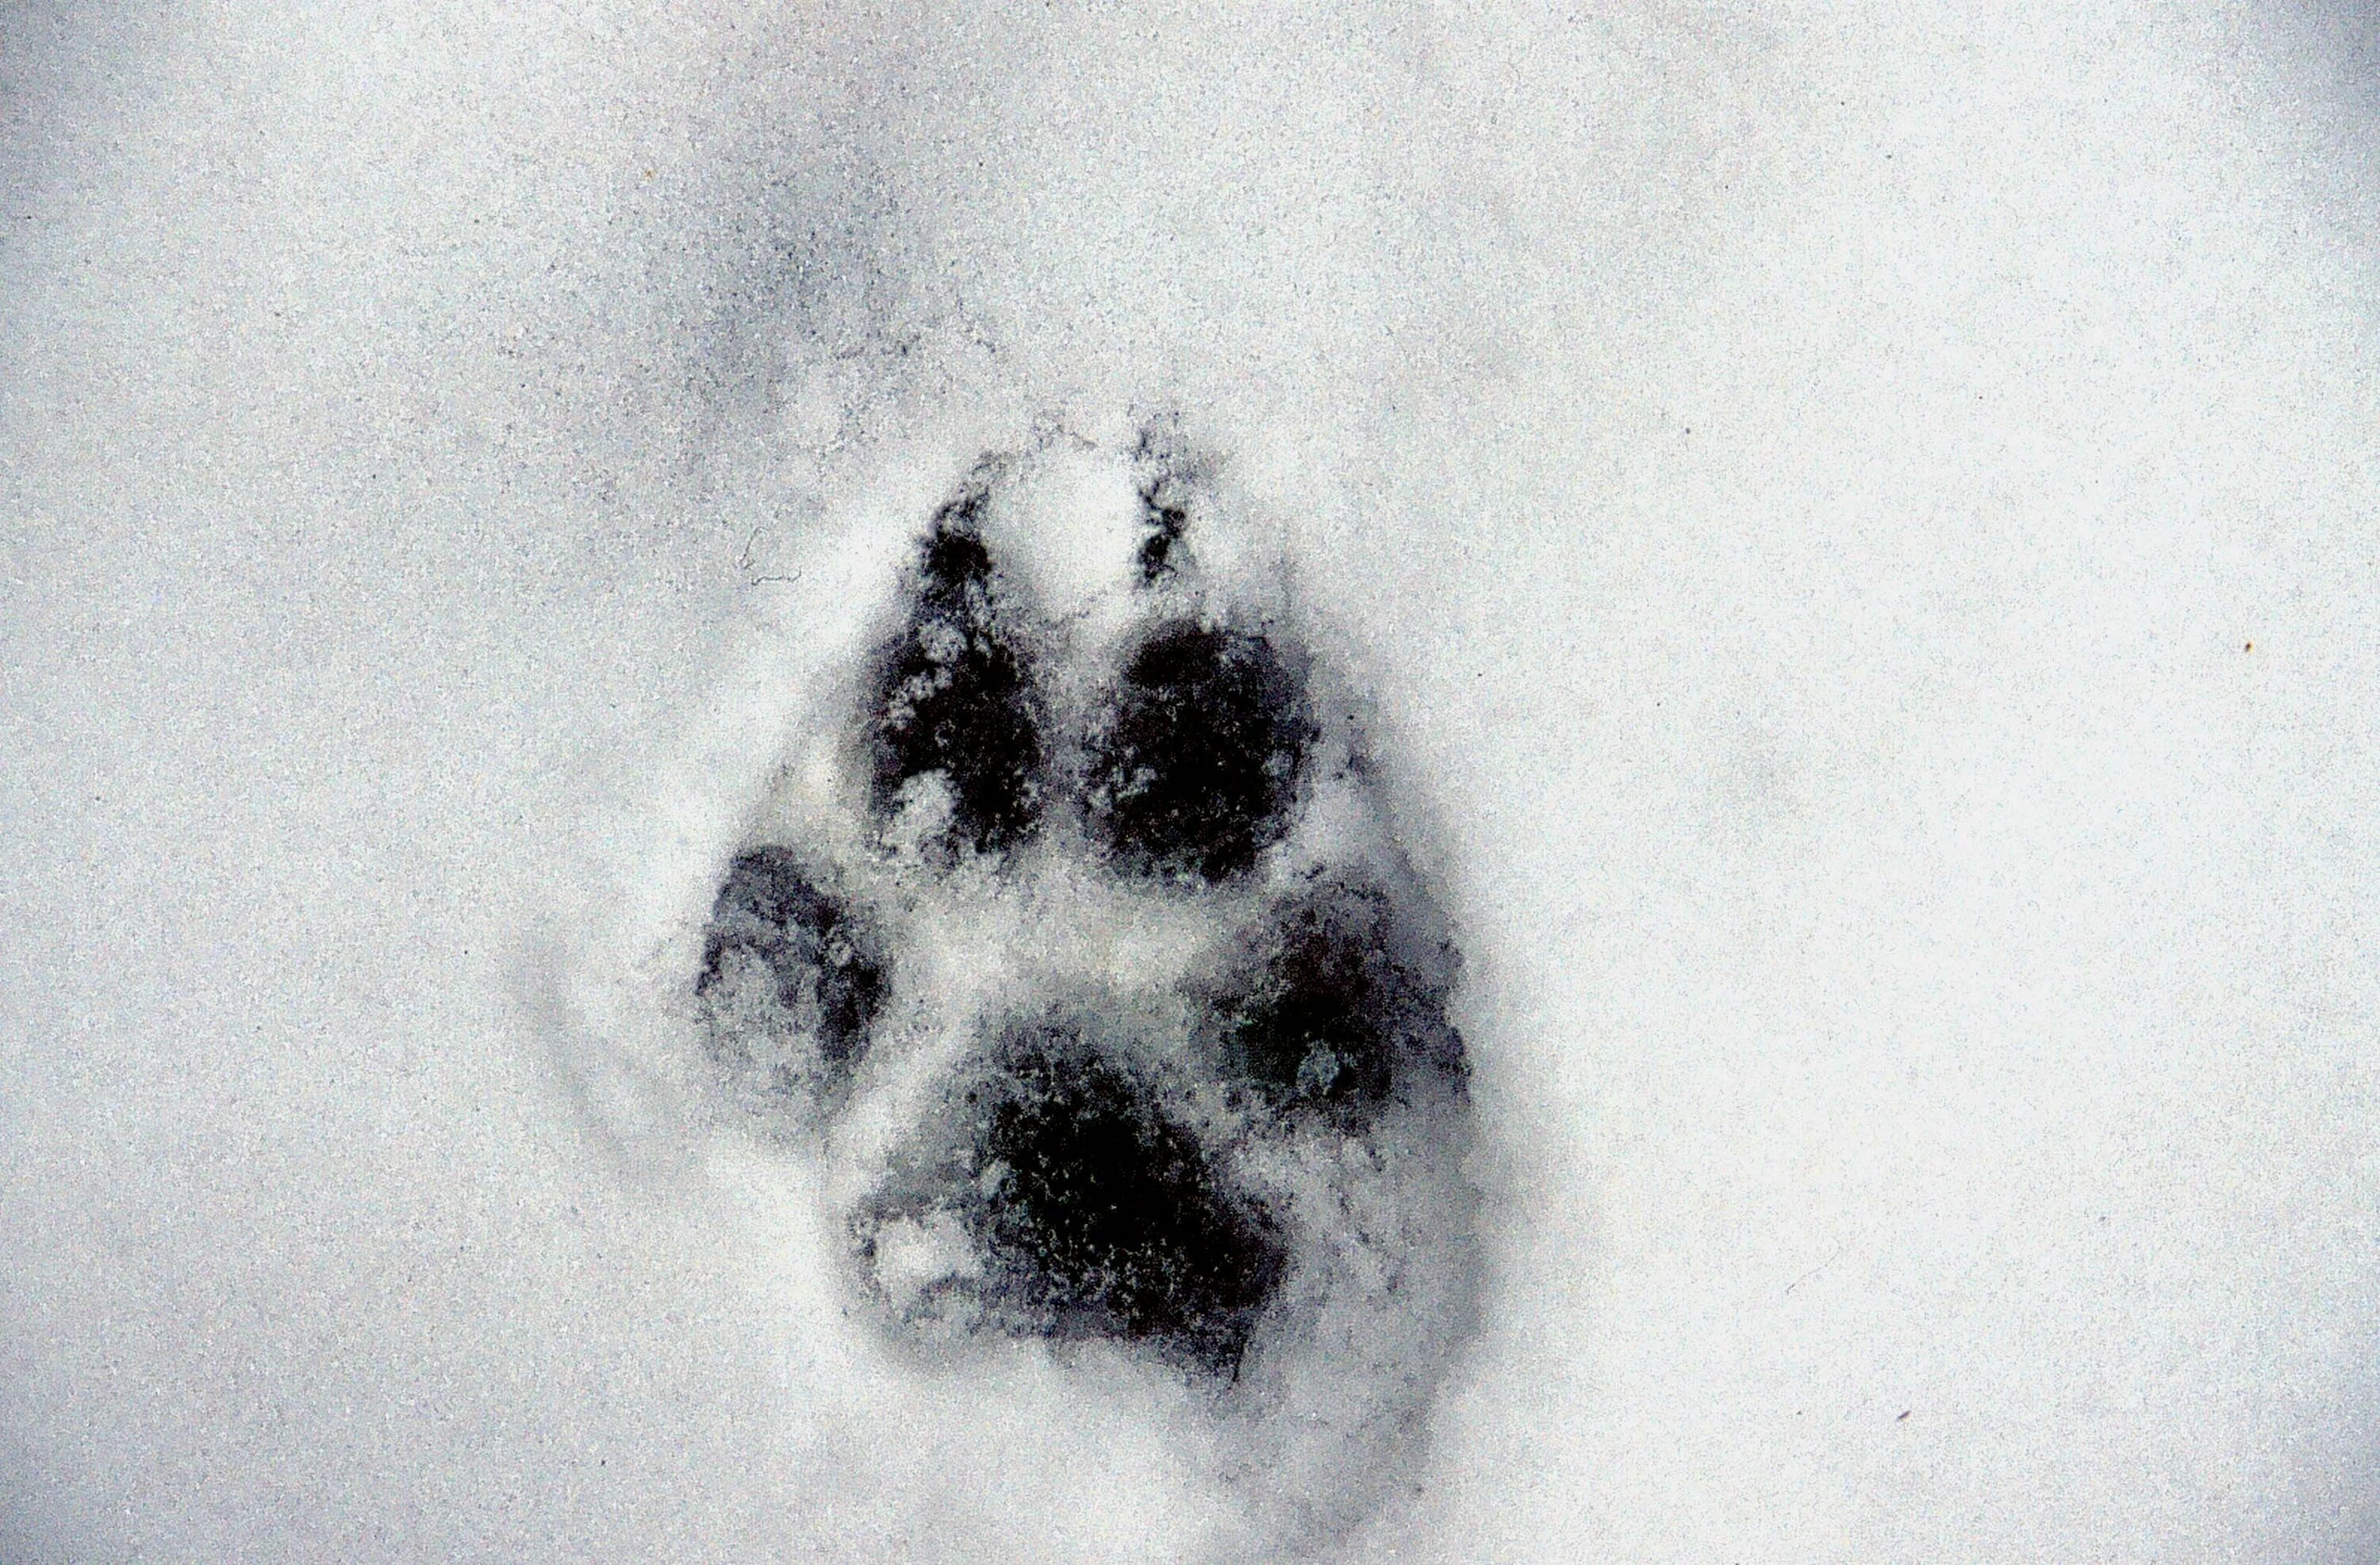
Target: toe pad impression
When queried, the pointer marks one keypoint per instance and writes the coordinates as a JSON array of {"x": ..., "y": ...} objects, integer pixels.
[
  {"x": 956, "y": 729},
  {"x": 790, "y": 980},
  {"x": 1193, "y": 771}
]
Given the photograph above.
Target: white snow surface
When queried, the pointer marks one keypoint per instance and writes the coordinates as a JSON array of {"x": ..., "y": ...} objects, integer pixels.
[{"x": 1856, "y": 522}]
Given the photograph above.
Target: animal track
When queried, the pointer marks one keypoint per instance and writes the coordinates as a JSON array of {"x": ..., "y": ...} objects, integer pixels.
[
  {"x": 1095, "y": 1210},
  {"x": 1075, "y": 940},
  {"x": 955, "y": 732},
  {"x": 790, "y": 980},
  {"x": 1194, "y": 765}
]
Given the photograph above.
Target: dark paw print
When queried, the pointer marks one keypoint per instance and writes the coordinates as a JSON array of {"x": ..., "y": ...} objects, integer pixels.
[
  {"x": 1338, "y": 1005},
  {"x": 1194, "y": 764},
  {"x": 791, "y": 979},
  {"x": 1100, "y": 1214},
  {"x": 955, "y": 732},
  {"x": 1091, "y": 915}
]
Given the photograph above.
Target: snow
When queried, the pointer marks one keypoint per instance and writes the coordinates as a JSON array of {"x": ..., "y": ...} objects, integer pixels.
[{"x": 1850, "y": 523}]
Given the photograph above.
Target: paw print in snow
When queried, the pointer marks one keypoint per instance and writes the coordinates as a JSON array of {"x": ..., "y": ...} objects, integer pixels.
[{"x": 1073, "y": 936}]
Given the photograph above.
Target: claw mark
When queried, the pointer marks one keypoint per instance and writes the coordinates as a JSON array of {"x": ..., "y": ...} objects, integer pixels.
[{"x": 1165, "y": 527}]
